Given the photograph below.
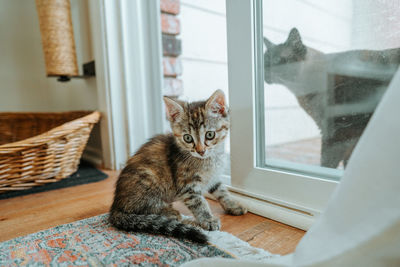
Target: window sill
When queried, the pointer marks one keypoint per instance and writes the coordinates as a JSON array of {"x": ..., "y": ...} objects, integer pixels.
[{"x": 261, "y": 206}]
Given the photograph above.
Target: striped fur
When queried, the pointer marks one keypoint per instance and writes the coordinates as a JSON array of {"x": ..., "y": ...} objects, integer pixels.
[{"x": 167, "y": 168}]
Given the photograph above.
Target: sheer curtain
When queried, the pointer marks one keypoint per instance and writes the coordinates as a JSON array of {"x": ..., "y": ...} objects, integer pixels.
[{"x": 361, "y": 225}]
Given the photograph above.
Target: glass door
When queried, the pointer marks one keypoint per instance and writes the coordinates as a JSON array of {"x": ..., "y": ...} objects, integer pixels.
[{"x": 305, "y": 78}]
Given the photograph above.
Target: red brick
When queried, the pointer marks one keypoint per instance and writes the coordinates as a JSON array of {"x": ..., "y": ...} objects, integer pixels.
[
  {"x": 170, "y": 6},
  {"x": 170, "y": 24},
  {"x": 173, "y": 87},
  {"x": 172, "y": 66}
]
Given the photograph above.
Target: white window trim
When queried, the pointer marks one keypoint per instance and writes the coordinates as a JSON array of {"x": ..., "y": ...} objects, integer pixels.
[
  {"x": 128, "y": 74},
  {"x": 294, "y": 199}
]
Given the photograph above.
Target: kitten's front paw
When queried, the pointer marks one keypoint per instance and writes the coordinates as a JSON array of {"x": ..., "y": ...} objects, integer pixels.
[
  {"x": 211, "y": 224},
  {"x": 236, "y": 209}
]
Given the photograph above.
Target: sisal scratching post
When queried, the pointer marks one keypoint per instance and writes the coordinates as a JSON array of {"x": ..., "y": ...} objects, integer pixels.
[{"x": 57, "y": 38}]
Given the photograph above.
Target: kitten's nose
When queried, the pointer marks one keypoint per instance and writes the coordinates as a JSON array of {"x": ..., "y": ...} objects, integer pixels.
[
  {"x": 200, "y": 152},
  {"x": 200, "y": 149}
]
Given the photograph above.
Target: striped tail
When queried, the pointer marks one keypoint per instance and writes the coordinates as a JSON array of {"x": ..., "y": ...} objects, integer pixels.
[{"x": 156, "y": 224}]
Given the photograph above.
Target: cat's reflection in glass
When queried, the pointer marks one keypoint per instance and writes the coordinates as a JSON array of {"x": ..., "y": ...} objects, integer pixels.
[{"x": 339, "y": 91}]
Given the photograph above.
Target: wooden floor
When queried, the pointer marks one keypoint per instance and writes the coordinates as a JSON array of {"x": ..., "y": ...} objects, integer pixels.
[{"x": 28, "y": 214}]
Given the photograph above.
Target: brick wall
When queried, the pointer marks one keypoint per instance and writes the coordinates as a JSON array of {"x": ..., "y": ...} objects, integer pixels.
[{"x": 172, "y": 47}]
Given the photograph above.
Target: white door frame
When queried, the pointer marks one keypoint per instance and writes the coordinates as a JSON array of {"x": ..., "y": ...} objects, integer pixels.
[{"x": 126, "y": 41}]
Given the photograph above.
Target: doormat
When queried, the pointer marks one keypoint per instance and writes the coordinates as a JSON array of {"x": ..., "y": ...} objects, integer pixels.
[
  {"x": 85, "y": 174},
  {"x": 94, "y": 242}
]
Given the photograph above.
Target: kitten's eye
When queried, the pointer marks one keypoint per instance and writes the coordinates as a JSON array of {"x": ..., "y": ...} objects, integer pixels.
[
  {"x": 188, "y": 138},
  {"x": 210, "y": 135}
]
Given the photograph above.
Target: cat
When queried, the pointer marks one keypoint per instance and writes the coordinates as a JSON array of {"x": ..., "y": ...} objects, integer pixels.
[
  {"x": 180, "y": 166},
  {"x": 339, "y": 90}
]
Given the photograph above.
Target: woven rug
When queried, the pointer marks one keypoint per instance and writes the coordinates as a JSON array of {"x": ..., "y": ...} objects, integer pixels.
[{"x": 93, "y": 242}]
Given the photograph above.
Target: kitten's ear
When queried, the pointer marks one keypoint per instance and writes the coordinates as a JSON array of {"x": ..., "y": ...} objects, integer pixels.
[
  {"x": 216, "y": 104},
  {"x": 173, "y": 109},
  {"x": 268, "y": 43},
  {"x": 294, "y": 38}
]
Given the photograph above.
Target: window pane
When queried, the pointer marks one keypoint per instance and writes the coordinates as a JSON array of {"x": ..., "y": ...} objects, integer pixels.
[{"x": 326, "y": 66}]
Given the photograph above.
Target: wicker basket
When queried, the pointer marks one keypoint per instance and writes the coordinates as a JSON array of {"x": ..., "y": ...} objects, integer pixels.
[{"x": 40, "y": 148}]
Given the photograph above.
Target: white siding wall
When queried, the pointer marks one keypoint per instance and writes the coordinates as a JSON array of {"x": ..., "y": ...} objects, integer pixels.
[
  {"x": 204, "y": 52},
  {"x": 376, "y": 24}
]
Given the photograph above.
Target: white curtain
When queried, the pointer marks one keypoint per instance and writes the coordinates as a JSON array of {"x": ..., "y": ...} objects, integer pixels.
[{"x": 361, "y": 225}]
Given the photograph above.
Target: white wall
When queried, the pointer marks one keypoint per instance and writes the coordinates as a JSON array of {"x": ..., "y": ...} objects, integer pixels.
[
  {"x": 23, "y": 82},
  {"x": 324, "y": 25},
  {"x": 204, "y": 50},
  {"x": 24, "y": 85},
  {"x": 376, "y": 24}
]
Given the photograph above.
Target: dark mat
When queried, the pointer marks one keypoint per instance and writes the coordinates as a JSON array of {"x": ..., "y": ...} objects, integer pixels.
[{"x": 85, "y": 174}]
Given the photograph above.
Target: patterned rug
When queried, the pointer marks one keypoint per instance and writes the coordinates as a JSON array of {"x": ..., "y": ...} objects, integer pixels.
[{"x": 93, "y": 242}]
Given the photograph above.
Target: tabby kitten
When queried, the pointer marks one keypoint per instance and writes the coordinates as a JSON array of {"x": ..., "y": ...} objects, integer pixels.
[{"x": 177, "y": 167}]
